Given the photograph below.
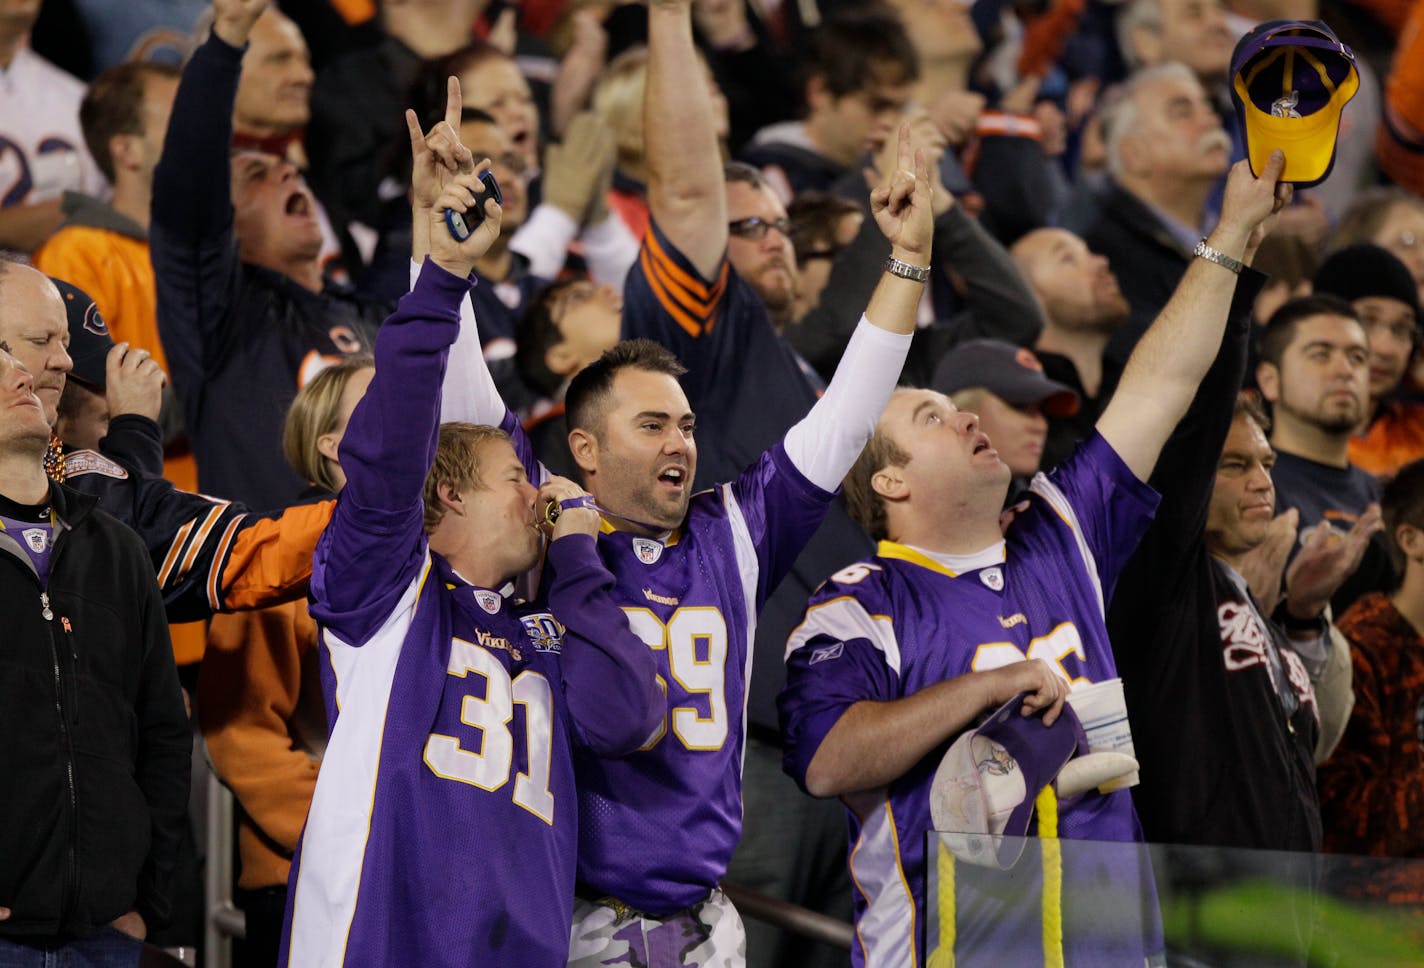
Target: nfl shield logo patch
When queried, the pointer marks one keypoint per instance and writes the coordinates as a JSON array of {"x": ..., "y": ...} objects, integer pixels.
[
  {"x": 489, "y": 601},
  {"x": 993, "y": 577},
  {"x": 36, "y": 539},
  {"x": 647, "y": 550}
]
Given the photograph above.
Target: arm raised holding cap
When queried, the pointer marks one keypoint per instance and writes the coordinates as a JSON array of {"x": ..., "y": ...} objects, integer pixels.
[{"x": 1174, "y": 354}]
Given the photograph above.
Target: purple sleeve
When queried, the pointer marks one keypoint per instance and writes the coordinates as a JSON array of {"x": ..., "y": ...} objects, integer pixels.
[
  {"x": 375, "y": 543},
  {"x": 610, "y": 676},
  {"x": 782, "y": 510},
  {"x": 1113, "y": 507},
  {"x": 524, "y": 447},
  {"x": 824, "y": 678}
]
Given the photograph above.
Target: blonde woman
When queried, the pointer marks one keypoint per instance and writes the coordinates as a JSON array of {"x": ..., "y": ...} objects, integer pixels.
[{"x": 259, "y": 694}]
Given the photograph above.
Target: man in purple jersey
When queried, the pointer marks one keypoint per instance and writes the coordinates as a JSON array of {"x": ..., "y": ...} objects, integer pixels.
[
  {"x": 657, "y": 827},
  {"x": 444, "y": 823},
  {"x": 899, "y": 654}
]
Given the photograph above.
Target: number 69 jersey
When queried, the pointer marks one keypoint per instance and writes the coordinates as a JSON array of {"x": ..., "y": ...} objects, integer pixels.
[
  {"x": 886, "y": 628},
  {"x": 658, "y": 826}
]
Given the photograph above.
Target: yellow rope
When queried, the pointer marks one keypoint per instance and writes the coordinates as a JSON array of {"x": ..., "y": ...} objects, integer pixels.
[
  {"x": 943, "y": 954},
  {"x": 1046, "y": 806}
]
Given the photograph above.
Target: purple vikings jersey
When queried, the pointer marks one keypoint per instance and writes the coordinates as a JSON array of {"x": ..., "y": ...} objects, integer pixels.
[
  {"x": 886, "y": 628},
  {"x": 657, "y": 827},
  {"x": 443, "y": 827}
]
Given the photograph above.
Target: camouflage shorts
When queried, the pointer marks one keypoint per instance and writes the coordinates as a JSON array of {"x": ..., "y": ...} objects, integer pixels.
[{"x": 706, "y": 935}]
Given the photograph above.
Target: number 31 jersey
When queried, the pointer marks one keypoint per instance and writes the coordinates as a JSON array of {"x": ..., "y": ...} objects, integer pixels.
[{"x": 445, "y": 805}]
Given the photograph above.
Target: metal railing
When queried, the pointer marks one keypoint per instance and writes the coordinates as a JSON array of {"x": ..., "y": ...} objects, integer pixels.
[{"x": 224, "y": 921}]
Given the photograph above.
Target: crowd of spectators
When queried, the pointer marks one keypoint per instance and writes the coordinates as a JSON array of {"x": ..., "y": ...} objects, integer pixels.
[{"x": 226, "y": 205}]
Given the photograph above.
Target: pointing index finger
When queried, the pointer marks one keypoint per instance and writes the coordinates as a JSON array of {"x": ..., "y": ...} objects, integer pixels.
[{"x": 453, "y": 103}]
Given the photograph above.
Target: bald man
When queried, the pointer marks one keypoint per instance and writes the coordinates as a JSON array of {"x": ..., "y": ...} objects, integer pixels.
[{"x": 1082, "y": 308}]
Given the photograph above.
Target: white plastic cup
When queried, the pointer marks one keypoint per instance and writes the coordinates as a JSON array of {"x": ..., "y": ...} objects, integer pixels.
[{"x": 1102, "y": 710}]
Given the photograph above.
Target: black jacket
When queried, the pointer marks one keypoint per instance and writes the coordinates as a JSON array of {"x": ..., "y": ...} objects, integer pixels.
[
  {"x": 96, "y": 748},
  {"x": 1223, "y": 763}
]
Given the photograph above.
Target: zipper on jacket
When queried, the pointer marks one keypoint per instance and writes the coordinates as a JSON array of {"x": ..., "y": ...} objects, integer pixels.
[{"x": 71, "y": 888}]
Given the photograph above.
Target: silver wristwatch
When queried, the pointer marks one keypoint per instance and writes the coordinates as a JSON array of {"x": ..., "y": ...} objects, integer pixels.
[
  {"x": 1206, "y": 252},
  {"x": 904, "y": 270}
]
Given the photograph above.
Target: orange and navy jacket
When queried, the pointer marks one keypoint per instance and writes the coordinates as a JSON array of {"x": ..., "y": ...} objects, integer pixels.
[{"x": 209, "y": 555}]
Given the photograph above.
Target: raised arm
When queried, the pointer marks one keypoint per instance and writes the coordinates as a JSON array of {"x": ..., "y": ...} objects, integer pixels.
[
  {"x": 1165, "y": 368},
  {"x": 192, "y": 244},
  {"x": 390, "y": 439},
  {"x": 825, "y": 443},
  {"x": 469, "y": 393},
  {"x": 686, "y": 194}
]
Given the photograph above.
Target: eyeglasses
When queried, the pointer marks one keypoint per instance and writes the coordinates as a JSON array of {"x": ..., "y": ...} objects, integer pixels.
[
  {"x": 575, "y": 294},
  {"x": 756, "y": 228}
]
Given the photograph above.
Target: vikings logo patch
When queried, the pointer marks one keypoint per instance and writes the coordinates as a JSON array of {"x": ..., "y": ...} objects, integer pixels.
[
  {"x": 489, "y": 601},
  {"x": 647, "y": 550},
  {"x": 36, "y": 538}
]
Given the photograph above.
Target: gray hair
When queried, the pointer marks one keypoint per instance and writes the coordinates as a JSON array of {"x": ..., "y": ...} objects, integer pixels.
[
  {"x": 1122, "y": 118},
  {"x": 1135, "y": 15}
]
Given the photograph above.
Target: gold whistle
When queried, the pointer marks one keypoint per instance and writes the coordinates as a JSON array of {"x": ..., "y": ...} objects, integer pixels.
[{"x": 551, "y": 513}]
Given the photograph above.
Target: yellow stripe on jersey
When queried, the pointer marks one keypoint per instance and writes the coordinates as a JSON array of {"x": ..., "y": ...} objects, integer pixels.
[{"x": 890, "y": 549}]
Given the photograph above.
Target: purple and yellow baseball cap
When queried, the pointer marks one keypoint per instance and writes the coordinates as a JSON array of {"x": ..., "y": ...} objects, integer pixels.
[
  {"x": 1290, "y": 79},
  {"x": 982, "y": 795}
]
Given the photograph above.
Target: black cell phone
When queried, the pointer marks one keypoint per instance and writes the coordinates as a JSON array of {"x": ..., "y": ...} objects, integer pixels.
[{"x": 463, "y": 226}]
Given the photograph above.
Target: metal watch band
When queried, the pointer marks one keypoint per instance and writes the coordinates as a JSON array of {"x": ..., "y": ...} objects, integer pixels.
[
  {"x": 1216, "y": 255},
  {"x": 906, "y": 271}
]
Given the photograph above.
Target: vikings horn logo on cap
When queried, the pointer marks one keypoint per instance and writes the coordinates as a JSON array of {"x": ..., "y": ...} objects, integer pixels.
[{"x": 1290, "y": 79}]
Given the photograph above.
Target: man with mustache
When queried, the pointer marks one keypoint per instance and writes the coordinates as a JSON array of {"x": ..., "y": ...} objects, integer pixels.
[
  {"x": 244, "y": 310},
  {"x": 1315, "y": 373},
  {"x": 1167, "y": 151}
]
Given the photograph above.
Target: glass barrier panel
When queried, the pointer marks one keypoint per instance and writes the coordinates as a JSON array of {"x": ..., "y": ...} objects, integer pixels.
[{"x": 996, "y": 901}]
